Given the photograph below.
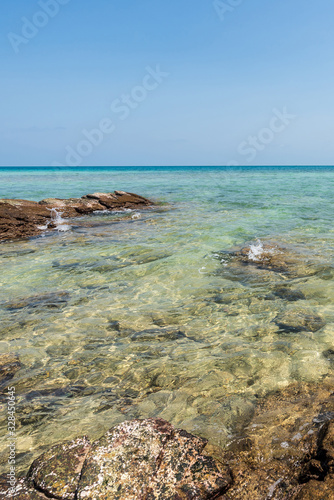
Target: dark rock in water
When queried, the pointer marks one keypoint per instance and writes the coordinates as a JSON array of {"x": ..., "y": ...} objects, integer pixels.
[
  {"x": 9, "y": 365},
  {"x": 72, "y": 207},
  {"x": 23, "y": 218},
  {"x": 288, "y": 294},
  {"x": 299, "y": 321},
  {"x": 56, "y": 473},
  {"x": 114, "y": 325},
  {"x": 158, "y": 334},
  {"x": 34, "y": 413},
  {"x": 316, "y": 490},
  {"x": 21, "y": 491},
  {"x": 149, "y": 459},
  {"x": 329, "y": 354},
  {"x": 53, "y": 300},
  {"x": 268, "y": 257}
]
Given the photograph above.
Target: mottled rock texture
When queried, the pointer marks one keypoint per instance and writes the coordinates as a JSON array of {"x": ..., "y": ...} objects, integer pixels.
[
  {"x": 21, "y": 491},
  {"x": 137, "y": 460},
  {"x": 56, "y": 473},
  {"x": 23, "y": 218},
  {"x": 151, "y": 460},
  {"x": 288, "y": 454}
]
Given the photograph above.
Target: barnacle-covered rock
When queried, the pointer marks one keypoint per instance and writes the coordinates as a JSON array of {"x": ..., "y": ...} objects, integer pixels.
[
  {"x": 57, "y": 472},
  {"x": 150, "y": 460}
]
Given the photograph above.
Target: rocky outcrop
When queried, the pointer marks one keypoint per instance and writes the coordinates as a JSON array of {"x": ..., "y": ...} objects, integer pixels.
[
  {"x": 23, "y": 218},
  {"x": 137, "y": 460},
  {"x": 271, "y": 257},
  {"x": 287, "y": 454}
]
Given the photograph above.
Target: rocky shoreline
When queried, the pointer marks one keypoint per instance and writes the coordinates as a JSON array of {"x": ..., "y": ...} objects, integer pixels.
[
  {"x": 284, "y": 452},
  {"x": 24, "y": 218},
  {"x": 287, "y": 454}
]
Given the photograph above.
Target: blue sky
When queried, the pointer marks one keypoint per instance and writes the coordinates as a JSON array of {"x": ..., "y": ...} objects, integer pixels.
[{"x": 187, "y": 82}]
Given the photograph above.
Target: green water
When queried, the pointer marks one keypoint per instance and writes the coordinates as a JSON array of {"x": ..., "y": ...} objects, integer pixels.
[{"x": 145, "y": 319}]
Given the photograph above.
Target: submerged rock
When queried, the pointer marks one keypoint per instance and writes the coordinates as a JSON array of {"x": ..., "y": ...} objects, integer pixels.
[
  {"x": 9, "y": 365},
  {"x": 53, "y": 300},
  {"x": 299, "y": 321},
  {"x": 160, "y": 334},
  {"x": 287, "y": 450},
  {"x": 24, "y": 218},
  {"x": 286, "y": 293},
  {"x": 267, "y": 257}
]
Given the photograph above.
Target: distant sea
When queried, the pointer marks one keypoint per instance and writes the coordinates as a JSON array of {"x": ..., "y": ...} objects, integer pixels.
[{"x": 137, "y": 314}]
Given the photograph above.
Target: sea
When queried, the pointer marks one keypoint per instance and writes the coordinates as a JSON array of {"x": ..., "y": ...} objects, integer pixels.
[{"x": 144, "y": 313}]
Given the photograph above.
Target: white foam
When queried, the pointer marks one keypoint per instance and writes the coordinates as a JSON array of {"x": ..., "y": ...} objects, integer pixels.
[
  {"x": 256, "y": 251},
  {"x": 136, "y": 215},
  {"x": 60, "y": 223}
]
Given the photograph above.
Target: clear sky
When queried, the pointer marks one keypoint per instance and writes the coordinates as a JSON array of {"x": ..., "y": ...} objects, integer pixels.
[{"x": 177, "y": 82}]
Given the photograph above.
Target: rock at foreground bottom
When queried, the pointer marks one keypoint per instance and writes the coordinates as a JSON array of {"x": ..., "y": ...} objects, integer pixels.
[
  {"x": 137, "y": 460},
  {"x": 24, "y": 219}
]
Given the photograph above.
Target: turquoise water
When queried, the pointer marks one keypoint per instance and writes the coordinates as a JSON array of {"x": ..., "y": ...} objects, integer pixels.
[{"x": 146, "y": 318}]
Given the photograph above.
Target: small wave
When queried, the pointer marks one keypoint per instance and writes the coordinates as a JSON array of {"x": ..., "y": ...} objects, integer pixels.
[
  {"x": 257, "y": 251},
  {"x": 136, "y": 215}
]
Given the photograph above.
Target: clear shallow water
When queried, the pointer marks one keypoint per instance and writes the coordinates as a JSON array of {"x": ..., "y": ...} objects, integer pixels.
[{"x": 145, "y": 319}]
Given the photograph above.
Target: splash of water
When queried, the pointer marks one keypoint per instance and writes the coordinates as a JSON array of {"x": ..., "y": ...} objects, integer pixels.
[
  {"x": 60, "y": 223},
  {"x": 256, "y": 251}
]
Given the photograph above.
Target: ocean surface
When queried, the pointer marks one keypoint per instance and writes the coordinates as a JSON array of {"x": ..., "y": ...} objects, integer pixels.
[{"x": 138, "y": 314}]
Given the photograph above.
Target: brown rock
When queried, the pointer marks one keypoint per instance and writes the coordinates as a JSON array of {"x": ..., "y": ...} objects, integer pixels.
[
  {"x": 272, "y": 257},
  {"x": 150, "y": 460},
  {"x": 24, "y": 219},
  {"x": 19, "y": 219},
  {"x": 57, "y": 472},
  {"x": 119, "y": 199},
  {"x": 316, "y": 490},
  {"x": 21, "y": 491}
]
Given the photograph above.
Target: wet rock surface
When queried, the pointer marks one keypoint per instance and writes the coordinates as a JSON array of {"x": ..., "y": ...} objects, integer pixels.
[
  {"x": 140, "y": 459},
  {"x": 285, "y": 452},
  {"x": 57, "y": 472},
  {"x": 24, "y": 218},
  {"x": 21, "y": 491}
]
